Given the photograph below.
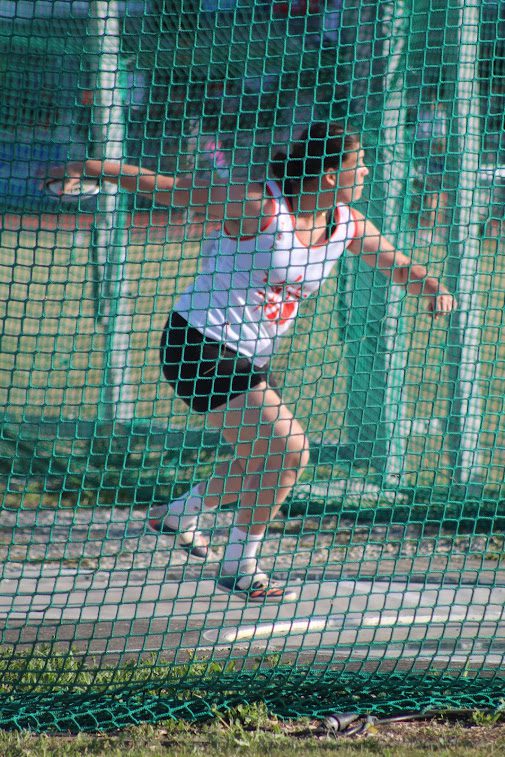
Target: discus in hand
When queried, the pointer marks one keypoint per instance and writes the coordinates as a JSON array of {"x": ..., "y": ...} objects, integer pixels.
[{"x": 72, "y": 189}]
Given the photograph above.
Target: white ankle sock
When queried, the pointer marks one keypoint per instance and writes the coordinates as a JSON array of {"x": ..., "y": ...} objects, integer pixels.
[
  {"x": 182, "y": 513},
  {"x": 240, "y": 552}
]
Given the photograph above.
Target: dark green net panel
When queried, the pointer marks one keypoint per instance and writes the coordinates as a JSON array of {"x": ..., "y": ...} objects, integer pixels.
[{"x": 393, "y": 536}]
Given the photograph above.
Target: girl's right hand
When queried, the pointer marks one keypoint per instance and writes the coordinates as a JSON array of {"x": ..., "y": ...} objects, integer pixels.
[{"x": 71, "y": 173}]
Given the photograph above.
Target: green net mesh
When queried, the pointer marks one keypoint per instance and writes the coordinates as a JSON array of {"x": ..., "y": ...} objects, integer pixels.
[{"x": 393, "y": 535}]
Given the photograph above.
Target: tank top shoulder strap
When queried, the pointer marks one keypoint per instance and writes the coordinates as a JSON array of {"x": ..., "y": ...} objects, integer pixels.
[
  {"x": 346, "y": 216},
  {"x": 282, "y": 208},
  {"x": 273, "y": 189}
]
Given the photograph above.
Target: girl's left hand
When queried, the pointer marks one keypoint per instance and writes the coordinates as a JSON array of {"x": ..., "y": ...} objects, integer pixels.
[{"x": 441, "y": 304}]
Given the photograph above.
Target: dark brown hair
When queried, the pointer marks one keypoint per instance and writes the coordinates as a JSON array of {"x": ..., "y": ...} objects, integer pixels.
[{"x": 321, "y": 146}]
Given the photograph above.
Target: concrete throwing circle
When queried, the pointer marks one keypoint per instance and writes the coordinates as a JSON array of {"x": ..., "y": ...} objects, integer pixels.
[
  {"x": 95, "y": 580},
  {"x": 120, "y": 614}
]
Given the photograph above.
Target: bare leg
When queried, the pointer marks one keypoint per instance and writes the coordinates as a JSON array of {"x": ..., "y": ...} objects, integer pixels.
[
  {"x": 270, "y": 452},
  {"x": 224, "y": 486}
]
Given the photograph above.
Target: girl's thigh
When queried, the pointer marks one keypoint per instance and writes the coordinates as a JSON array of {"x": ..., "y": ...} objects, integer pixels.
[{"x": 257, "y": 423}]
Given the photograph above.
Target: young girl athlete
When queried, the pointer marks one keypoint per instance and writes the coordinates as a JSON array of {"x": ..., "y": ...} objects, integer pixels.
[{"x": 278, "y": 242}]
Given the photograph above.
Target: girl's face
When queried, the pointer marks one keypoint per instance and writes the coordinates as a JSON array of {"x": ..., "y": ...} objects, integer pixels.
[{"x": 351, "y": 177}]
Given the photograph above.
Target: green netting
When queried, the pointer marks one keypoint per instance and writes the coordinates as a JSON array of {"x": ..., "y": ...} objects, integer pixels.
[{"x": 392, "y": 538}]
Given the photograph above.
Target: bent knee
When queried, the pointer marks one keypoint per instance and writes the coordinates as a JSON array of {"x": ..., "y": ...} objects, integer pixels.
[
  {"x": 298, "y": 443},
  {"x": 296, "y": 455},
  {"x": 286, "y": 452}
]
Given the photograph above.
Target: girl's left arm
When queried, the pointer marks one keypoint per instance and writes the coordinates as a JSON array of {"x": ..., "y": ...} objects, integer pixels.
[{"x": 379, "y": 254}]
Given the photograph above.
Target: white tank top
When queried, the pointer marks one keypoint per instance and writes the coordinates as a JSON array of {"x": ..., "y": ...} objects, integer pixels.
[{"x": 249, "y": 289}]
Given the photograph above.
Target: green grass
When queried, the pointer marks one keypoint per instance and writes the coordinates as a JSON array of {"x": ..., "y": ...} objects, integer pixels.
[
  {"x": 46, "y": 668},
  {"x": 51, "y": 688},
  {"x": 251, "y": 731}
]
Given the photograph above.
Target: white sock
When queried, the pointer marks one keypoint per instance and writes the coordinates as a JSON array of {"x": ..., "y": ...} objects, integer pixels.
[
  {"x": 240, "y": 552},
  {"x": 182, "y": 513}
]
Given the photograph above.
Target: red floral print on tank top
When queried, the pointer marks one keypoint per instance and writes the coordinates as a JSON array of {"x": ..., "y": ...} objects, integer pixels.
[{"x": 280, "y": 300}]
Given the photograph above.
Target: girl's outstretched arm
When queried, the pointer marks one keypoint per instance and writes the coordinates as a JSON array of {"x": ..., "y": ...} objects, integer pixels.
[
  {"x": 165, "y": 190},
  {"x": 240, "y": 205},
  {"x": 379, "y": 254}
]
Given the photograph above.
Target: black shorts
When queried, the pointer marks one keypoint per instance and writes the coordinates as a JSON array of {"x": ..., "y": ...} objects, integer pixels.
[{"x": 203, "y": 372}]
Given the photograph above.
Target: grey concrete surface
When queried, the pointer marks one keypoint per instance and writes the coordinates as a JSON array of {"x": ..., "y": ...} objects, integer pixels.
[{"x": 118, "y": 613}]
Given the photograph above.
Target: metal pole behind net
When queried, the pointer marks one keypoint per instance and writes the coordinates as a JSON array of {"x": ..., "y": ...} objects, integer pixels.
[
  {"x": 373, "y": 329},
  {"x": 395, "y": 158},
  {"x": 110, "y": 234},
  {"x": 461, "y": 84}
]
